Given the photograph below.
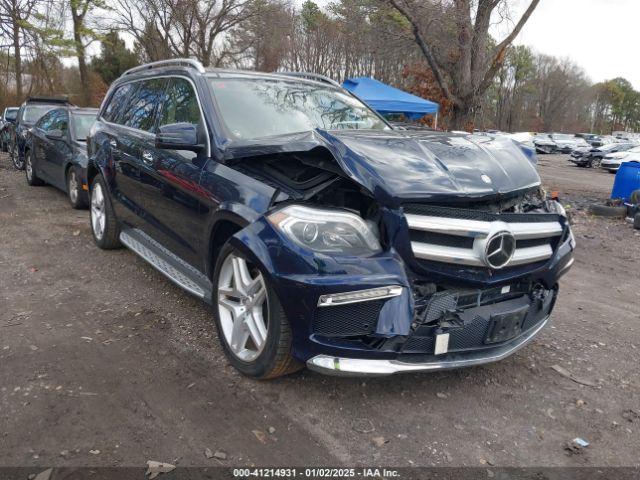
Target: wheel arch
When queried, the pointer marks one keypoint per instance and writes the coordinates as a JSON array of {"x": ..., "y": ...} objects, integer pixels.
[{"x": 226, "y": 223}]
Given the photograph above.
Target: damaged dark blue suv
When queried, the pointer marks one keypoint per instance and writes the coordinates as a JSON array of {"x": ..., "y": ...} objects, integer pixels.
[{"x": 320, "y": 235}]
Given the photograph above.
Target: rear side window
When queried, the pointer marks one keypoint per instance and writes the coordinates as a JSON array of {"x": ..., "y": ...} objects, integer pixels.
[
  {"x": 144, "y": 104},
  {"x": 116, "y": 103},
  {"x": 181, "y": 103}
]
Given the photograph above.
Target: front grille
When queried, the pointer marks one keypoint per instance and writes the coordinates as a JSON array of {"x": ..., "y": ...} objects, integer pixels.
[
  {"x": 352, "y": 320},
  {"x": 460, "y": 236}
]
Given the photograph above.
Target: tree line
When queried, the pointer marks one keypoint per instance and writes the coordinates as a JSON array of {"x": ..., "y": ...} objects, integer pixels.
[{"x": 439, "y": 49}]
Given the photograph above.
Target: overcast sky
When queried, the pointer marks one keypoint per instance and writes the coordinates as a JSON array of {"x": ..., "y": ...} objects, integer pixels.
[{"x": 602, "y": 36}]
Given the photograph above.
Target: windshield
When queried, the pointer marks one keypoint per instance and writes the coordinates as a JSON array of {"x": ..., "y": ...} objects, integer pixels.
[
  {"x": 82, "y": 124},
  {"x": 11, "y": 113},
  {"x": 33, "y": 113},
  {"x": 255, "y": 108},
  {"x": 563, "y": 136}
]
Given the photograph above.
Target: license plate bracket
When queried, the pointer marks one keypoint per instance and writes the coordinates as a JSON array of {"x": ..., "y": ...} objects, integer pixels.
[{"x": 507, "y": 325}]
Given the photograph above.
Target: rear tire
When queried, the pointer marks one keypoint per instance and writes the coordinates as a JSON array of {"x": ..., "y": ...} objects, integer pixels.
[
  {"x": 76, "y": 195},
  {"x": 606, "y": 211},
  {"x": 270, "y": 355},
  {"x": 104, "y": 225},
  {"x": 30, "y": 172}
]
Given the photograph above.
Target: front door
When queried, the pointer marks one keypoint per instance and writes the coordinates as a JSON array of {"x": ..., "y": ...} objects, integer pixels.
[
  {"x": 176, "y": 198},
  {"x": 56, "y": 150}
]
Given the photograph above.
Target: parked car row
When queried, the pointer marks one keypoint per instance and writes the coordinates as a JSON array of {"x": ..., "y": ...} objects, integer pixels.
[
  {"x": 46, "y": 137},
  {"x": 592, "y": 157},
  {"x": 319, "y": 234}
]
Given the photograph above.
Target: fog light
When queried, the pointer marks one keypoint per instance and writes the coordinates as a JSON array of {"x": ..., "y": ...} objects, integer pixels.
[{"x": 359, "y": 296}]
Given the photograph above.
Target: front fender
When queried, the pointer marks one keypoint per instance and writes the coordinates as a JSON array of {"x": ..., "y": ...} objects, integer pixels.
[{"x": 299, "y": 277}]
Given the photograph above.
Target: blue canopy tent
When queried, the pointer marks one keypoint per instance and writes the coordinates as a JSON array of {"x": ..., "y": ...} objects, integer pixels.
[{"x": 386, "y": 99}]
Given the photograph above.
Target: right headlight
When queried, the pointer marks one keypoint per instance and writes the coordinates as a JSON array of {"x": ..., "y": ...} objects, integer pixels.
[{"x": 326, "y": 231}]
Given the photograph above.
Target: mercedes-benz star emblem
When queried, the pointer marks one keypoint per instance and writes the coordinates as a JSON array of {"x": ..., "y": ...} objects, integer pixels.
[{"x": 499, "y": 249}]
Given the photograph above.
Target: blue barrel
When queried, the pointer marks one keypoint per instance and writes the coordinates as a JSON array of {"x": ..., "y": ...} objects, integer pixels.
[{"x": 627, "y": 180}]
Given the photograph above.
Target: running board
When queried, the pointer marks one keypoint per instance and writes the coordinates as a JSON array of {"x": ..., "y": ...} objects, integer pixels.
[{"x": 167, "y": 263}]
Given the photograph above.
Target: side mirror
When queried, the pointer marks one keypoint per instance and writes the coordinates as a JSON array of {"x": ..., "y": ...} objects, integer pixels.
[
  {"x": 55, "y": 134},
  {"x": 178, "y": 136}
]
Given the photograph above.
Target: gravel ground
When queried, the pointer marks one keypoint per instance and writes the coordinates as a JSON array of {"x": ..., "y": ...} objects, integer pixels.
[{"x": 104, "y": 362}]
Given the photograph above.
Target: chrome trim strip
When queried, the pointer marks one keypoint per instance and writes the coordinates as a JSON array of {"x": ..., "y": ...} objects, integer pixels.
[
  {"x": 467, "y": 256},
  {"x": 531, "y": 254},
  {"x": 441, "y": 253},
  {"x": 367, "y": 367},
  {"x": 333, "y": 299},
  {"x": 476, "y": 228}
]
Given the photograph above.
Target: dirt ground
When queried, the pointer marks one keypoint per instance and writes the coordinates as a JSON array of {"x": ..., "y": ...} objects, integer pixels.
[{"x": 104, "y": 362}]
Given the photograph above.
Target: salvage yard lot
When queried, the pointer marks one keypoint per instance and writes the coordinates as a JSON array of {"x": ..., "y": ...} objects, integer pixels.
[{"x": 104, "y": 362}]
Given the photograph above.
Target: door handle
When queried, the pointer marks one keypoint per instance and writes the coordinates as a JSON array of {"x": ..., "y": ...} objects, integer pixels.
[{"x": 147, "y": 157}]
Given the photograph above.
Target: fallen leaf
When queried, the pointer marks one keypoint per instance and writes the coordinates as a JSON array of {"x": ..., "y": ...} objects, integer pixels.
[
  {"x": 378, "y": 441},
  {"x": 260, "y": 436},
  {"x": 44, "y": 475},
  {"x": 156, "y": 468}
]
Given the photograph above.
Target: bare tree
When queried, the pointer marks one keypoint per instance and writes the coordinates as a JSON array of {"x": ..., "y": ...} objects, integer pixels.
[
  {"x": 182, "y": 28},
  {"x": 15, "y": 19},
  {"x": 475, "y": 62}
]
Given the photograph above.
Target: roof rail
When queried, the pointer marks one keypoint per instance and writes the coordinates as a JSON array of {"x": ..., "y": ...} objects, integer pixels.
[
  {"x": 62, "y": 99},
  {"x": 185, "y": 62},
  {"x": 311, "y": 76}
]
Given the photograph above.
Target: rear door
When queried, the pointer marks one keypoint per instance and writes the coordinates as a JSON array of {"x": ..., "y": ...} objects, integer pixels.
[
  {"x": 133, "y": 135},
  {"x": 174, "y": 196}
]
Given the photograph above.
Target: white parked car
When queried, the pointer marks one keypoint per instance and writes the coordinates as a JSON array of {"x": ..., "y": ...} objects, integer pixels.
[
  {"x": 558, "y": 142},
  {"x": 612, "y": 161}
]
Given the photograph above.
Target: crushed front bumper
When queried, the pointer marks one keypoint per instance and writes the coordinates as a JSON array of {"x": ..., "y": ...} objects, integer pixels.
[
  {"x": 367, "y": 367},
  {"x": 335, "y": 329}
]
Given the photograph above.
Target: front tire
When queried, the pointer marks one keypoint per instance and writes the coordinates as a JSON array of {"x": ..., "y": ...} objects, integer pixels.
[
  {"x": 252, "y": 326},
  {"x": 18, "y": 164},
  {"x": 104, "y": 225},
  {"x": 74, "y": 190},
  {"x": 30, "y": 172}
]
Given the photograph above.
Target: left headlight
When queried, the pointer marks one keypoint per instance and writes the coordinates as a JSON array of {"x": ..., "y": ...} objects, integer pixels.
[{"x": 326, "y": 231}]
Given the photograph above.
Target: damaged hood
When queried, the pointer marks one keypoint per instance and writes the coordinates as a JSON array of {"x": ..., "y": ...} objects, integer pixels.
[{"x": 402, "y": 165}]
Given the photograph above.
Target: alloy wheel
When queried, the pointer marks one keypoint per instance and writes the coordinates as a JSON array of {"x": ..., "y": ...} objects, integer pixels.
[
  {"x": 98, "y": 215},
  {"x": 28, "y": 167},
  {"x": 15, "y": 158},
  {"x": 243, "y": 308},
  {"x": 73, "y": 186}
]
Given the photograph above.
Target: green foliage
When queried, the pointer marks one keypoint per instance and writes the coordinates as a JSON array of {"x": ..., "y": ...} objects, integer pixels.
[
  {"x": 114, "y": 58},
  {"x": 311, "y": 15}
]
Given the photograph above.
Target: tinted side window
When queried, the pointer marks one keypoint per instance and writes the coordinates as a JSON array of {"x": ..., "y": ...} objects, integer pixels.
[
  {"x": 144, "y": 104},
  {"x": 181, "y": 104},
  {"x": 46, "y": 121},
  {"x": 117, "y": 101},
  {"x": 61, "y": 121}
]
